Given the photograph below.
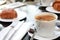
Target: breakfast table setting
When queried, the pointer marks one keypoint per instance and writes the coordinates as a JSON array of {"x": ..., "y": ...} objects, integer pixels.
[
  {"x": 10, "y": 28},
  {"x": 24, "y": 24}
]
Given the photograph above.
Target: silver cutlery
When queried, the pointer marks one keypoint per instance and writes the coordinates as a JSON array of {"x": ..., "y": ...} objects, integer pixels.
[
  {"x": 22, "y": 31},
  {"x": 8, "y": 32},
  {"x": 12, "y": 26},
  {"x": 19, "y": 6},
  {"x": 1, "y": 27},
  {"x": 9, "y": 1},
  {"x": 16, "y": 29},
  {"x": 14, "y": 7},
  {"x": 33, "y": 34}
]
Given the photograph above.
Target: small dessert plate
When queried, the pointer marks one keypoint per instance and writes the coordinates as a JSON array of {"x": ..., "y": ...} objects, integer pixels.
[
  {"x": 50, "y": 9},
  {"x": 20, "y": 15}
]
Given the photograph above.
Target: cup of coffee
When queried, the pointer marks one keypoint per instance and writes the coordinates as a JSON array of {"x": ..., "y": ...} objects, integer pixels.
[{"x": 45, "y": 23}]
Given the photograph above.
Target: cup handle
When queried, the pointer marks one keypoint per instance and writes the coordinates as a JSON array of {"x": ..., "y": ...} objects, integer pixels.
[{"x": 57, "y": 31}]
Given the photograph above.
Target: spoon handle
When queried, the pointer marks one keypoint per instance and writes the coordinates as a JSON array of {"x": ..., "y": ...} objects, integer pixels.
[{"x": 33, "y": 35}]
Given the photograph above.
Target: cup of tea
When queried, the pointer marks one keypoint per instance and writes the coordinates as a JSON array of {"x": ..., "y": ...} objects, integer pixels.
[{"x": 46, "y": 23}]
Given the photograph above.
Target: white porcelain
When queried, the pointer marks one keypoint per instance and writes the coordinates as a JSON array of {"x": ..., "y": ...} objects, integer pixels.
[
  {"x": 46, "y": 28},
  {"x": 50, "y": 9},
  {"x": 57, "y": 34},
  {"x": 20, "y": 15},
  {"x": 45, "y": 2},
  {"x": 2, "y": 2}
]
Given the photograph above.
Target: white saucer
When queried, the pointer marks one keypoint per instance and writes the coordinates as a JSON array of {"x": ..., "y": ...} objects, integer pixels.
[
  {"x": 37, "y": 37},
  {"x": 50, "y": 9},
  {"x": 56, "y": 34},
  {"x": 2, "y": 2}
]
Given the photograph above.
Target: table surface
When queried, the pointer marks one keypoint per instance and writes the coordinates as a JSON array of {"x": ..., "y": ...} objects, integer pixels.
[{"x": 27, "y": 37}]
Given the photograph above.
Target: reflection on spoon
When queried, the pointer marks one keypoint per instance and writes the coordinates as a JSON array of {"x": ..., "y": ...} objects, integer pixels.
[{"x": 1, "y": 27}]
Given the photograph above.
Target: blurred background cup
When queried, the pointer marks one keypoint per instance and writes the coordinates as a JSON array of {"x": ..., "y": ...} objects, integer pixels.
[
  {"x": 46, "y": 28},
  {"x": 45, "y": 2}
]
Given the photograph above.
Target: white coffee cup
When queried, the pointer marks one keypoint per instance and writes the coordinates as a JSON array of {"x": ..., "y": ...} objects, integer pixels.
[
  {"x": 46, "y": 28},
  {"x": 45, "y": 2}
]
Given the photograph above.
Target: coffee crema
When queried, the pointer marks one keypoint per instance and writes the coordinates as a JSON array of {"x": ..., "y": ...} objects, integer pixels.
[{"x": 44, "y": 17}]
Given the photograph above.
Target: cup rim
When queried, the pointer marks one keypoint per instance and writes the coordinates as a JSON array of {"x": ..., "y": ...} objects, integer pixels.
[{"x": 45, "y": 13}]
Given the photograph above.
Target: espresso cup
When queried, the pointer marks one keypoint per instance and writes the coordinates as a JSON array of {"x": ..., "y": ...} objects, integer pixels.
[{"x": 46, "y": 23}]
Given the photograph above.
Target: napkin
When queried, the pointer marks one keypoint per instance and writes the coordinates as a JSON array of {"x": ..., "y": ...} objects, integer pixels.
[
  {"x": 22, "y": 31},
  {"x": 8, "y": 30},
  {"x": 4, "y": 32}
]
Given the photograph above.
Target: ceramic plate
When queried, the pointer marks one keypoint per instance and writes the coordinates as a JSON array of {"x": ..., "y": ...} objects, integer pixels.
[
  {"x": 50, "y": 9},
  {"x": 57, "y": 34},
  {"x": 2, "y": 2},
  {"x": 20, "y": 15},
  {"x": 43, "y": 38}
]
